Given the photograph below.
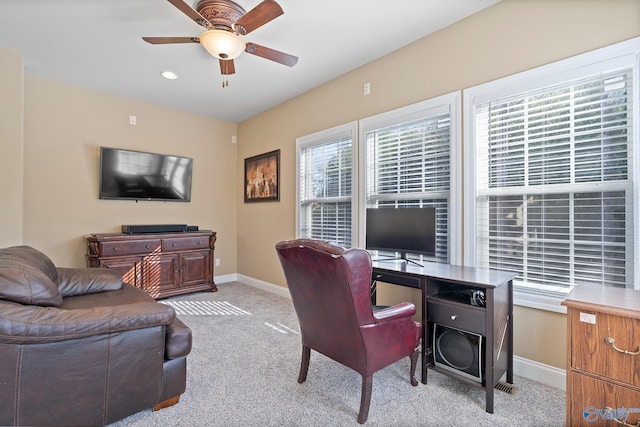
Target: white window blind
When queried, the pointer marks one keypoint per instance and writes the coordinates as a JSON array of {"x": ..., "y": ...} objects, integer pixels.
[
  {"x": 408, "y": 164},
  {"x": 325, "y": 188},
  {"x": 554, "y": 182}
]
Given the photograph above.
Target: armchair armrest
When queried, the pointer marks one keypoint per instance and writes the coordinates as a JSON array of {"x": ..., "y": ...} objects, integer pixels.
[
  {"x": 405, "y": 309},
  {"x": 24, "y": 324},
  {"x": 82, "y": 281}
]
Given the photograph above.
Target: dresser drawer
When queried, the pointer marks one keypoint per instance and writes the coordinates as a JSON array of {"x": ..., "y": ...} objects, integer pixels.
[
  {"x": 184, "y": 243},
  {"x": 593, "y": 337},
  {"x": 460, "y": 316},
  {"x": 128, "y": 247},
  {"x": 593, "y": 402}
]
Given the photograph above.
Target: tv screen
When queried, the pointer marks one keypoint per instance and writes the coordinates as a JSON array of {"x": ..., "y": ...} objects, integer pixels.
[
  {"x": 136, "y": 175},
  {"x": 404, "y": 230}
]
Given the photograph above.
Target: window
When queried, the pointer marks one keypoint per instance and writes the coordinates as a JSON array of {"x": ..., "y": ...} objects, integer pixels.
[
  {"x": 325, "y": 182},
  {"x": 407, "y": 160},
  {"x": 551, "y": 173}
]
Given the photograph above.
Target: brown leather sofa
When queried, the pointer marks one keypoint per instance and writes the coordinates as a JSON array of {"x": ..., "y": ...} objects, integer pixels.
[{"x": 80, "y": 348}]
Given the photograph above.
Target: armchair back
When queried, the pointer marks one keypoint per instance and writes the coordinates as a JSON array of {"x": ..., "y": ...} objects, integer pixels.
[{"x": 330, "y": 290}]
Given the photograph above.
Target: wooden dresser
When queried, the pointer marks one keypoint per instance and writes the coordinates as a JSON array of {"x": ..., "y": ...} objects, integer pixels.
[
  {"x": 163, "y": 264},
  {"x": 603, "y": 356}
]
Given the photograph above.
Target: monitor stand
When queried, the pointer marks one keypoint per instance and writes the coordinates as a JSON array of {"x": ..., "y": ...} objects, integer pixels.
[{"x": 402, "y": 257}]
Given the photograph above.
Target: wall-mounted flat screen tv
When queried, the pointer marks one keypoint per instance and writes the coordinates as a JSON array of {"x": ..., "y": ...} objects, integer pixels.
[
  {"x": 403, "y": 230},
  {"x": 137, "y": 175}
]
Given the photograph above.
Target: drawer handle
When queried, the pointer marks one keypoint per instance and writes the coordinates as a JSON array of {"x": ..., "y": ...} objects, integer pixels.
[
  {"x": 454, "y": 317},
  {"x": 612, "y": 343},
  {"x": 610, "y": 414},
  {"x": 173, "y": 244}
]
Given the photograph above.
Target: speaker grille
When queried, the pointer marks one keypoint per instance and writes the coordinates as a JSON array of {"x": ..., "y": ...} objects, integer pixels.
[{"x": 458, "y": 351}]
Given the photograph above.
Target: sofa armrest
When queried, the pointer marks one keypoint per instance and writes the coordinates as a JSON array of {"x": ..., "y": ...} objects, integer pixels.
[
  {"x": 82, "y": 281},
  {"x": 24, "y": 324},
  {"x": 178, "y": 343}
]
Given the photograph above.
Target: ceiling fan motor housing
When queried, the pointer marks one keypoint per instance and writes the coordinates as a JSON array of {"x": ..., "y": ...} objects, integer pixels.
[{"x": 221, "y": 14}]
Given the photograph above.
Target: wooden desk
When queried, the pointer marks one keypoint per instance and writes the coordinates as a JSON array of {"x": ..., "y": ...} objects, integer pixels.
[{"x": 441, "y": 284}]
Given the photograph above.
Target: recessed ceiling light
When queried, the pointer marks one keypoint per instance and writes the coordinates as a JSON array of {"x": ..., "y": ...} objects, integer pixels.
[{"x": 169, "y": 75}]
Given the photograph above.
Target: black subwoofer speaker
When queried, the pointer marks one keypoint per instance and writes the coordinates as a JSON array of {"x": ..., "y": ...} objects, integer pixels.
[{"x": 459, "y": 351}]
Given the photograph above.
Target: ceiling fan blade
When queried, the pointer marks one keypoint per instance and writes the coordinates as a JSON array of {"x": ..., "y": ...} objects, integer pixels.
[
  {"x": 168, "y": 40},
  {"x": 191, "y": 13},
  {"x": 271, "y": 54},
  {"x": 227, "y": 67},
  {"x": 264, "y": 12}
]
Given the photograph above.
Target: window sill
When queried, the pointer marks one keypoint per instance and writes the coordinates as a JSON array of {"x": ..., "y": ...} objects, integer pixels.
[{"x": 540, "y": 297}]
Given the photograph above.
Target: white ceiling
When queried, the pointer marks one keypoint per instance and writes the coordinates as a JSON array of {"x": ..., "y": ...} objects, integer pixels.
[{"x": 97, "y": 44}]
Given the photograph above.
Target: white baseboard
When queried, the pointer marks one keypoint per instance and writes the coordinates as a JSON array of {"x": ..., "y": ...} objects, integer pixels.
[
  {"x": 226, "y": 278},
  {"x": 265, "y": 286},
  {"x": 536, "y": 371}
]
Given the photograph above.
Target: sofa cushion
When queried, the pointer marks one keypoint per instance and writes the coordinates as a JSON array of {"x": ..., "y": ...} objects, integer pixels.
[
  {"x": 82, "y": 281},
  {"x": 24, "y": 283},
  {"x": 34, "y": 257}
]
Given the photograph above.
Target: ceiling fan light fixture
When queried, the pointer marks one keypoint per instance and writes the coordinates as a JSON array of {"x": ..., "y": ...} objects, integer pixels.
[{"x": 222, "y": 44}]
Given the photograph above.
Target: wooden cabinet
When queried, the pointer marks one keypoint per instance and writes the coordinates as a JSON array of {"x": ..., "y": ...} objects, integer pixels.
[
  {"x": 603, "y": 356},
  {"x": 162, "y": 265}
]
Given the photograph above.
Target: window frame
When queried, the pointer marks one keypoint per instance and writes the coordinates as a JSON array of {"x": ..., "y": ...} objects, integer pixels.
[
  {"x": 451, "y": 103},
  {"x": 347, "y": 130},
  {"x": 618, "y": 56}
]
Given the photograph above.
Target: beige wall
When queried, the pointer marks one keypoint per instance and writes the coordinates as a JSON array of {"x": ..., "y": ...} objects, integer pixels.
[
  {"x": 512, "y": 36},
  {"x": 11, "y": 140},
  {"x": 64, "y": 126}
]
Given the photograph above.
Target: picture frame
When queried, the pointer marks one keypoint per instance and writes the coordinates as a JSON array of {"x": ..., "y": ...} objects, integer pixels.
[{"x": 262, "y": 177}]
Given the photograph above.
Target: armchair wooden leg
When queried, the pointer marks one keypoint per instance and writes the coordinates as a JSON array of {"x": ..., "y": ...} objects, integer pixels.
[
  {"x": 304, "y": 365},
  {"x": 414, "y": 363},
  {"x": 365, "y": 400}
]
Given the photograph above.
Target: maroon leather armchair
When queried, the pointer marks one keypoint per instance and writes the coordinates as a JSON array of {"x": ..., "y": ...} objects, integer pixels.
[{"x": 330, "y": 290}]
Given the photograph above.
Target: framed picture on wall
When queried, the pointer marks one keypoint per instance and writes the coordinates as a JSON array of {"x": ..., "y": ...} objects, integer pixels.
[{"x": 262, "y": 177}]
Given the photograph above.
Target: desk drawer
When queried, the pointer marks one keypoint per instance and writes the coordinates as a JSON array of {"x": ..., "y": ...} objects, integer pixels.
[
  {"x": 129, "y": 247},
  {"x": 459, "y": 316},
  {"x": 397, "y": 279}
]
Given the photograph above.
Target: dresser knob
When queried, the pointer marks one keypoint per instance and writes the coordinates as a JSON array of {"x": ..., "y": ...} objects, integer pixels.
[{"x": 454, "y": 317}]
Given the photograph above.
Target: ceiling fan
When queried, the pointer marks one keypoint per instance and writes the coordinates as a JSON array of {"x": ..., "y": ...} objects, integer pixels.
[{"x": 226, "y": 24}]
